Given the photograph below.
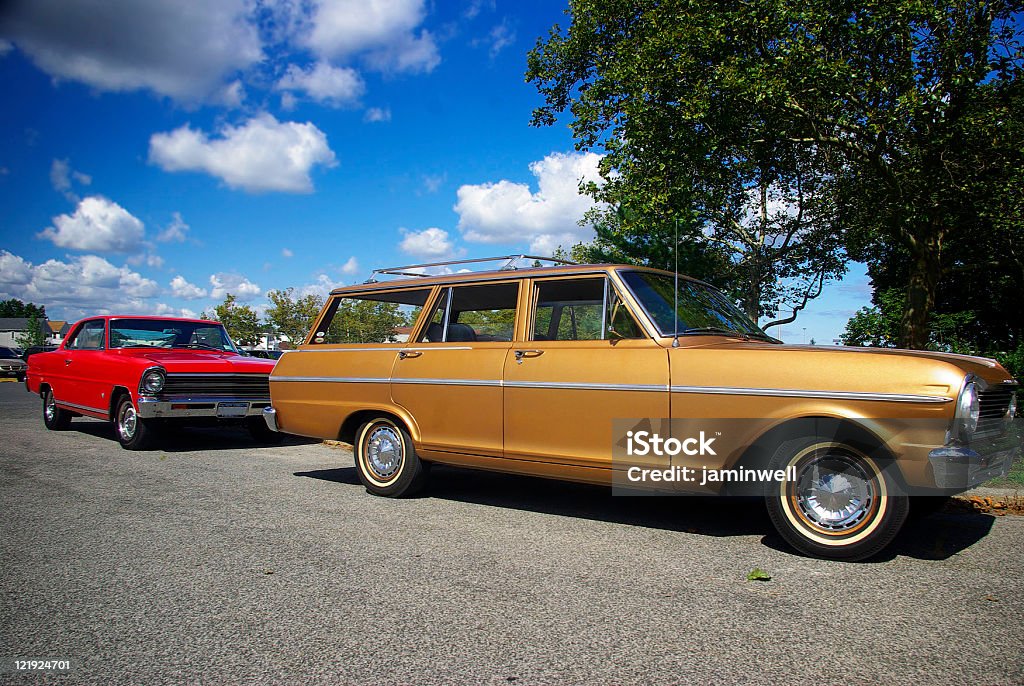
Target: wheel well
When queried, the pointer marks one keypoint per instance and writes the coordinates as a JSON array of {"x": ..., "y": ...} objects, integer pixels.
[
  {"x": 347, "y": 434},
  {"x": 43, "y": 388},
  {"x": 115, "y": 397},
  {"x": 845, "y": 430}
]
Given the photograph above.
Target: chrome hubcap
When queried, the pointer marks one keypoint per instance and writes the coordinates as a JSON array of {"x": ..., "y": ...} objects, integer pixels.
[
  {"x": 384, "y": 451},
  {"x": 127, "y": 422},
  {"x": 835, "y": 493},
  {"x": 51, "y": 407}
]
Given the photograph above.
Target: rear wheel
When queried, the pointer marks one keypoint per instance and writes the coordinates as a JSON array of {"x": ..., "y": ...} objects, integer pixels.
[
  {"x": 841, "y": 505},
  {"x": 133, "y": 432},
  {"x": 386, "y": 459},
  {"x": 54, "y": 418}
]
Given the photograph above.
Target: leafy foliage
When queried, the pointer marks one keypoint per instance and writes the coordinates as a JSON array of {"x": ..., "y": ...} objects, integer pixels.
[
  {"x": 365, "y": 321},
  {"x": 241, "y": 321},
  {"x": 293, "y": 316},
  {"x": 35, "y": 334},
  {"x": 893, "y": 128},
  {"x": 16, "y": 308}
]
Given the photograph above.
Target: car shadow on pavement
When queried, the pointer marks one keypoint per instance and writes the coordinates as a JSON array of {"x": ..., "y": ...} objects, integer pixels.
[
  {"x": 192, "y": 438},
  {"x": 937, "y": 537}
]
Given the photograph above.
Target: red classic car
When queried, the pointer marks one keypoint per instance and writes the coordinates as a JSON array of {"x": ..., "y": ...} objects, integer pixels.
[{"x": 144, "y": 373}]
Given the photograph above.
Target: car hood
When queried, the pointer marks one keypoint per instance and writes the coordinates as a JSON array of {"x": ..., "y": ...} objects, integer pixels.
[
  {"x": 203, "y": 361},
  {"x": 15, "y": 362}
]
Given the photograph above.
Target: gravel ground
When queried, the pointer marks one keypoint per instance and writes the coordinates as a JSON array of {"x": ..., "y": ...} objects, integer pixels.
[{"x": 218, "y": 561}]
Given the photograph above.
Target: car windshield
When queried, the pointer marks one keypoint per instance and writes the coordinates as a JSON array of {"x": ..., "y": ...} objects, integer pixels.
[
  {"x": 701, "y": 310},
  {"x": 7, "y": 354},
  {"x": 162, "y": 333}
]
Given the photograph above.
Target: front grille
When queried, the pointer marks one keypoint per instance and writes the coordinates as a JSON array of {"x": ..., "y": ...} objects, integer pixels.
[
  {"x": 994, "y": 403},
  {"x": 218, "y": 385}
]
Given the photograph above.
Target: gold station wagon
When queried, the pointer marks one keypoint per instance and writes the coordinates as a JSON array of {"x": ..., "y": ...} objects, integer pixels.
[{"x": 562, "y": 371}]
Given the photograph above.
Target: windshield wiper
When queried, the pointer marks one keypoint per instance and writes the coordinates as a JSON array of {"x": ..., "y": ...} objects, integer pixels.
[
  {"x": 712, "y": 330},
  {"x": 204, "y": 346}
]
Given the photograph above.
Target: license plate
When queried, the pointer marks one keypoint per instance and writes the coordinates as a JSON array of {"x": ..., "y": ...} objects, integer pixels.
[{"x": 232, "y": 409}]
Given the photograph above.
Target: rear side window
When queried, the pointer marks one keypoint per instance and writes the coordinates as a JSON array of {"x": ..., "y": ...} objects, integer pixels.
[
  {"x": 371, "y": 317},
  {"x": 465, "y": 314},
  {"x": 587, "y": 309},
  {"x": 88, "y": 337}
]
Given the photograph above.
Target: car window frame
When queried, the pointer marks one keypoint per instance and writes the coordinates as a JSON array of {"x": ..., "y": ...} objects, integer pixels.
[
  {"x": 445, "y": 292},
  {"x": 609, "y": 286},
  {"x": 69, "y": 342},
  {"x": 330, "y": 310}
]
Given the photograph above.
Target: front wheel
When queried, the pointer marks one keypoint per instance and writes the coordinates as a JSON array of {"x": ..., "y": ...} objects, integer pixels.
[
  {"x": 54, "y": 418},
  {"x": 386, "y": 459},
  {"x": 841, "y": 504},
  {"x": 133, "y": 432}
]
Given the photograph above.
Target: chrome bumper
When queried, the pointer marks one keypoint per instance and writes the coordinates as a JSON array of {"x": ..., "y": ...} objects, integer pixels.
[
  {"x": 270, "y": 417},
  {"x": 223, "y": 408},
  {"x": 958, "y": 468}
]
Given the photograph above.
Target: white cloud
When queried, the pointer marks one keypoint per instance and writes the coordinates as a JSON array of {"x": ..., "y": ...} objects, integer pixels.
[
  {"x": 181, "y": 288},
  {"x": 350, "y": 267},
  {"x": 285, "y": 252},
  {"x": 185, "y": 49},
  {"x": 98, "y": 224},
  {"x": 62, "y": 177},
  {"x": 432, "y": 243},
  {"x": 383, "y": 32},
  {"x": 325, "y": 84},
  {"x": 499, "y": 38},
  {"x": 322, "y": 286},
  {"x": 239, "y": 286},
  {"x": 165, "y": 310},
  {"x": 261, "y": 155},
  {"x": 377, "y": 114},
  {"x": 432, "y": 182},
  {"x": 83, "y": 285},
  {"x": 176, "y": 231},
  {"x": 507, "y": 212}
]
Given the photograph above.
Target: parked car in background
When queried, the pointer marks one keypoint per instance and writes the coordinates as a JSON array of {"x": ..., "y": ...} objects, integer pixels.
[
  {"x": 547, "y": 371},
  {"x": 11, "y": 365},
  {"x": 144, "y": 374},
  {"x": 33, "y": 349},
  {"x": 264, "y": 354}
]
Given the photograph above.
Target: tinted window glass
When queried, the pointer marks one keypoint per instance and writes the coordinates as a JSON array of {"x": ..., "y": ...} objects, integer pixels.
[
  {"x": 89, "y": 336},
  {"x": 485, "y": 312}
]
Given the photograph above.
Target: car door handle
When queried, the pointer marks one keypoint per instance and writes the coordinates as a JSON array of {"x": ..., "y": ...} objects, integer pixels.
[
  {"x": 67, "y": 362},
  {"x": 402, "y": 354},
  {"x": 520, "y": 354}
]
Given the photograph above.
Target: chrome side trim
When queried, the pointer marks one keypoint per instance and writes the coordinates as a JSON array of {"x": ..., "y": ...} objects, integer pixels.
[
  {"x": 395, "y": 349},
  {"x": 576, "y": 386},
  {"x": 331, "y": 379},
  {"x": 797, "y": 393},
  {"x": 84, "y": 408}
]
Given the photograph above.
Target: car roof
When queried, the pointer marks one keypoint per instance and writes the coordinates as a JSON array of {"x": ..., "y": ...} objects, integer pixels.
[
  {"x": 499, "y": 275},
  {"x": 148, "y": 316}
]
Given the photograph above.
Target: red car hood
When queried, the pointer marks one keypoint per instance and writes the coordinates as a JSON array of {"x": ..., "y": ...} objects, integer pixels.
[{"x": 203, "y": 361}]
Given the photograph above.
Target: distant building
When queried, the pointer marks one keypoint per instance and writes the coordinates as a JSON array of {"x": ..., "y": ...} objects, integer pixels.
[
  {"x": 58, "y": 331},
  {"x": 12, "y": 328}
]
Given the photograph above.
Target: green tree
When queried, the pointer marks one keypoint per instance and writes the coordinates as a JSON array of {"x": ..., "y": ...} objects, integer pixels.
[
  {"x": 649, "y": 84},
  {"x": 16, "y": 308},
  {"x": 241, "y": 321},
  {"x": 365, "y": 321},
  {"x": 293, "y": 316},
  {"x": 35, "y": 334},
  {"x": 895, "y": 125}
]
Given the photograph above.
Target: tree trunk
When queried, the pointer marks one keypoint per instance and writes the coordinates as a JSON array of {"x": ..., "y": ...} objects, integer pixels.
[{"x": 925, "y": 270}]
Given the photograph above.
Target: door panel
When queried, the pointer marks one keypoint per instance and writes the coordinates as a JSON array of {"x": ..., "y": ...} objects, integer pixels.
[
  {"x": 454, "y": 394},
  {"x": 562, "y": 397}
]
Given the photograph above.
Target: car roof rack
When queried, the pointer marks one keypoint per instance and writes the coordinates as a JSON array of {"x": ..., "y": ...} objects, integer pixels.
[{"x": 507, "y": 263}]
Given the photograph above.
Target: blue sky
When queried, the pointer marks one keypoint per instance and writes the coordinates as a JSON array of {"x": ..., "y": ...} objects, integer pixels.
[{"x": 156, "y": 156}]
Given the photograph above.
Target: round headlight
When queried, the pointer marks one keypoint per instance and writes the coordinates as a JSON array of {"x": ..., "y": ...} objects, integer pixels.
[
  {"x": 152, "y": 382},
  {"x": 968, "y": 409}
]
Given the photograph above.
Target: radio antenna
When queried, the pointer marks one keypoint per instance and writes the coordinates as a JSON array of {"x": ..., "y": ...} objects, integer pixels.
[{"x": 675, "y": 300}]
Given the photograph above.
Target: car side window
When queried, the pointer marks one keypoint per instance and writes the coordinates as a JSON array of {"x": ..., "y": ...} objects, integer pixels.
[
  {"x": 88, "y": 337},
  {"x": 485, "y": 312},
  {"x": 371, "y": 317},
  {"x": 584, "y": 309}
]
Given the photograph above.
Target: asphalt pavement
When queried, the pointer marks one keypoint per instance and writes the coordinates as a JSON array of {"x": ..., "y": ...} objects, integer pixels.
[{"x": 219, "y": 561}]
